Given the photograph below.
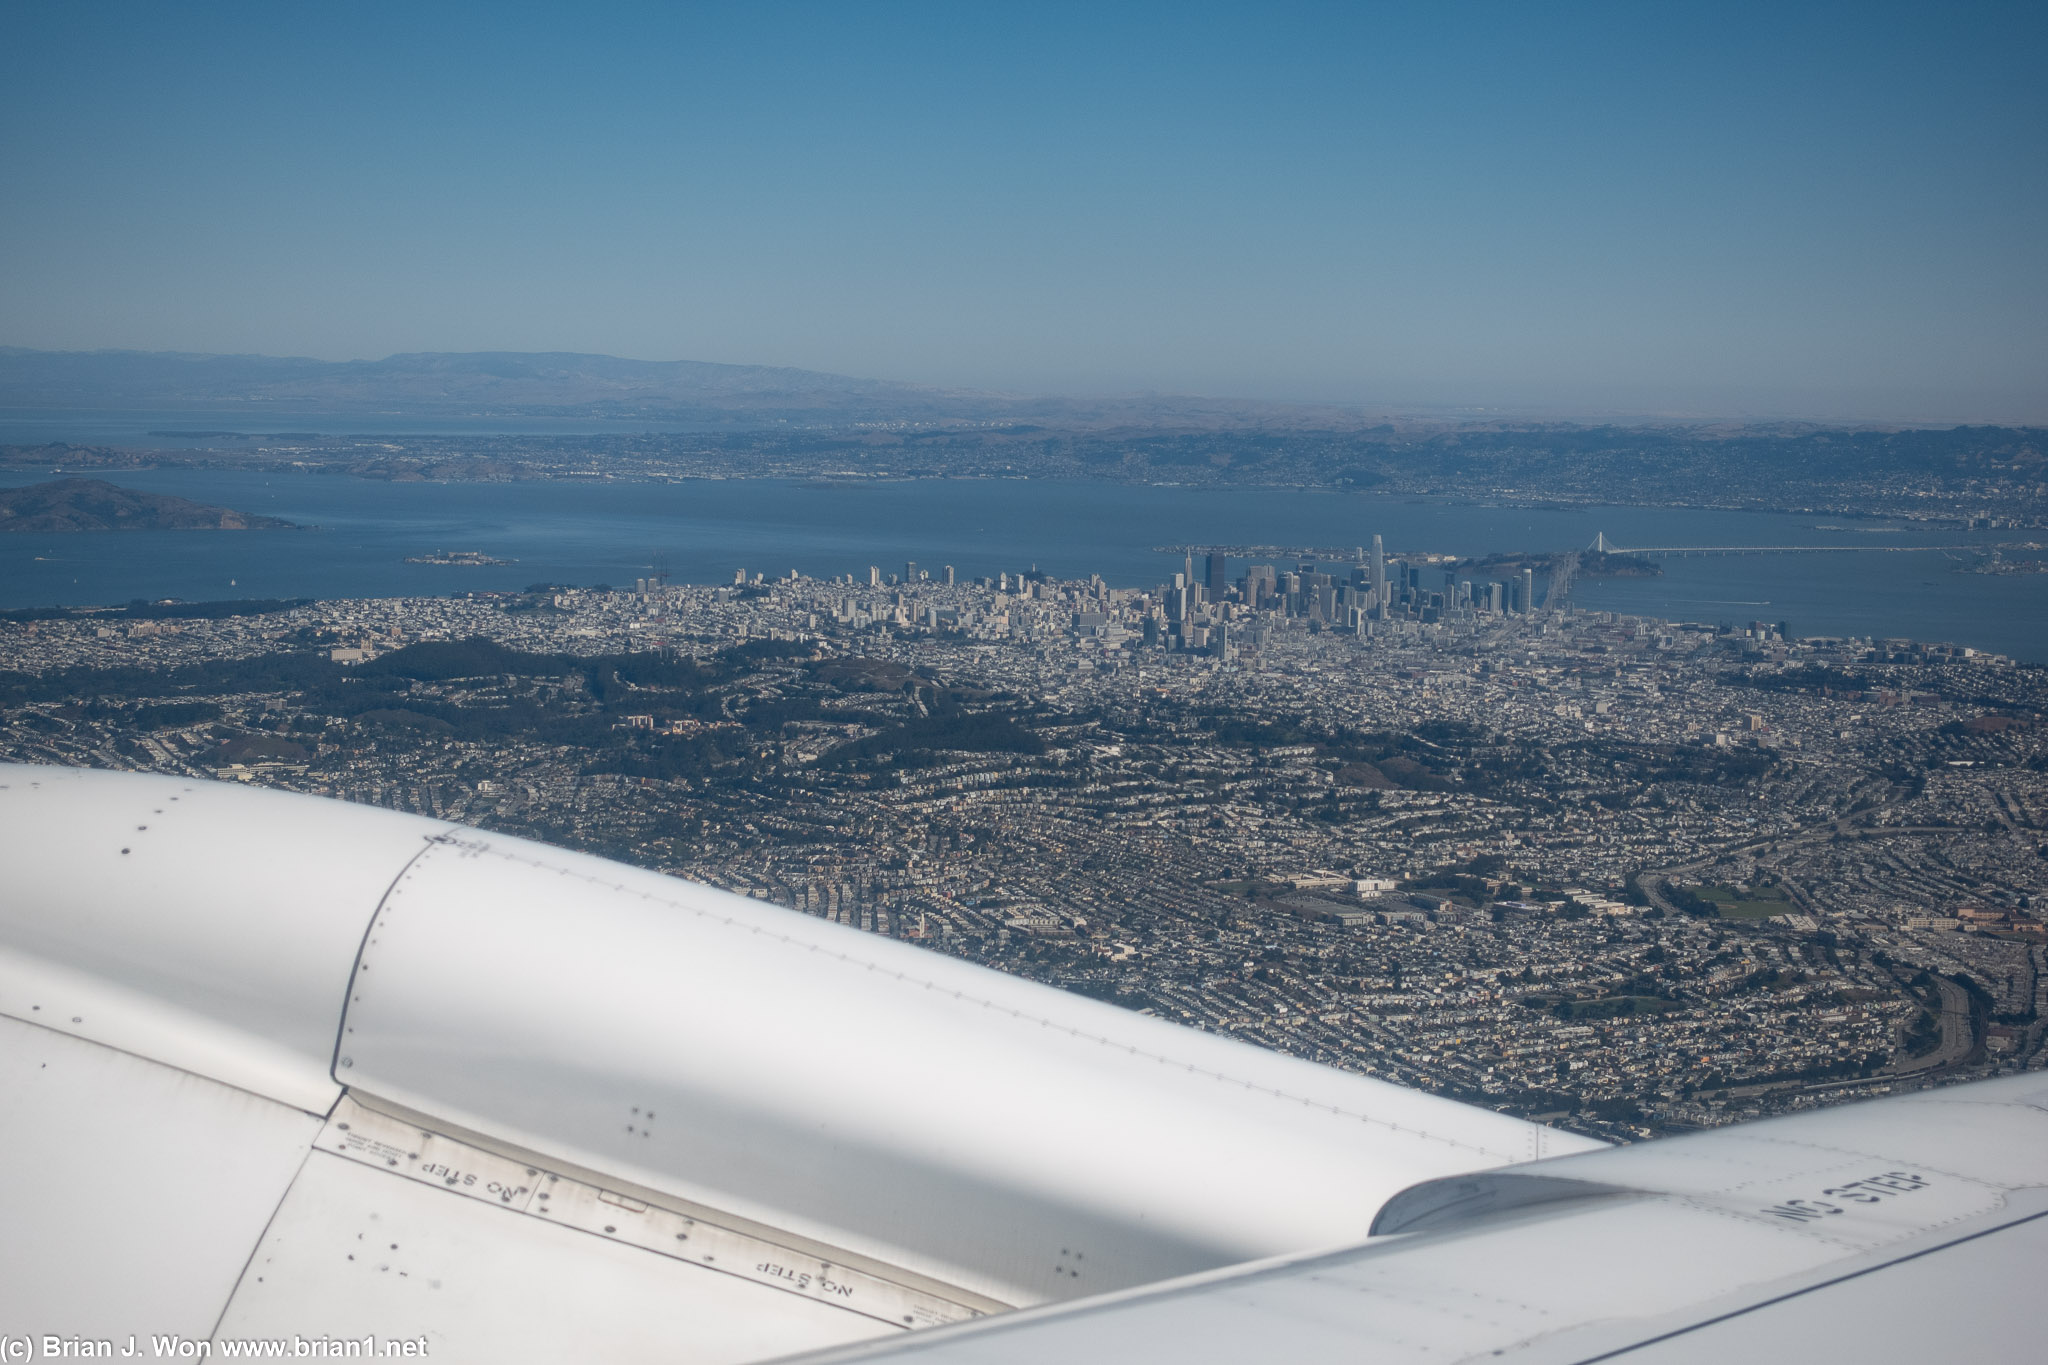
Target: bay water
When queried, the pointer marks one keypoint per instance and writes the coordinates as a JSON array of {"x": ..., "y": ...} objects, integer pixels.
[{"x": 1892, "y": 582}]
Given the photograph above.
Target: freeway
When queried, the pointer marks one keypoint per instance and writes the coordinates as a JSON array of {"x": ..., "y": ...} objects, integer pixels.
[{"x": 1957, "y": 1037}]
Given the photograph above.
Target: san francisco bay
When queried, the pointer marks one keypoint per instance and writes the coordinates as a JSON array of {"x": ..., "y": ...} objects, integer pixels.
[{"x": 1887, "y": 580}]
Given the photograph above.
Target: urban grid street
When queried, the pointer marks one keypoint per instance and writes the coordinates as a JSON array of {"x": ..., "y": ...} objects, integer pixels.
[{"x": 1628, "y": 875}]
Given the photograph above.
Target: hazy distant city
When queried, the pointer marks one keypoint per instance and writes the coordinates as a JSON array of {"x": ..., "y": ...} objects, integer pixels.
[
  {"x": 1989, "y": 477},
  {"x": 1415, "y": 817}
]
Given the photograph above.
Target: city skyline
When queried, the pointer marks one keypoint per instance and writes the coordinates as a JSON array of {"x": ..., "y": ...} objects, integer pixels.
[{"x": 1627, "y": 874}]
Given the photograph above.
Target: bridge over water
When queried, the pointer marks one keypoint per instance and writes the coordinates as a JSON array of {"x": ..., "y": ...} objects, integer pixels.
[{"x": 1602, "y": 545}]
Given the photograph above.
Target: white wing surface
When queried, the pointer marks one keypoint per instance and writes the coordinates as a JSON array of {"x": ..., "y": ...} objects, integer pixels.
[
  {"x": 298, "y": 1068},
  {"x": 1904, "y": 1229},
  {"x": 278, "y": 1069}
]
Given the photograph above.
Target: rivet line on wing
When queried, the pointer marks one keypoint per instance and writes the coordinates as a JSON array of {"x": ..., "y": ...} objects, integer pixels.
[{"x": 735, "y": 922}]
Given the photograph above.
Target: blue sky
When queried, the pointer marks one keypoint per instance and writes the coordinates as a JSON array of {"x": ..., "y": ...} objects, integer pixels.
[{"x": 1758, "y": 210}]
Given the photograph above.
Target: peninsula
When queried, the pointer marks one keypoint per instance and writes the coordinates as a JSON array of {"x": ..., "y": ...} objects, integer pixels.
[{"x": 96, "y": 505}]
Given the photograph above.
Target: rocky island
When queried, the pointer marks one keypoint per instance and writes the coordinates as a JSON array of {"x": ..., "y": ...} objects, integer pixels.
[
  {"x": 471, "y": 558},
  {"x": 96, "y": 505}
]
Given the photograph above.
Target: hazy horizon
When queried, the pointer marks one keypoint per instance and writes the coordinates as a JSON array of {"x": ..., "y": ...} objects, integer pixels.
[
  {"x": 1534, "y": 410},
  {"x": 1824, "y": 213}
]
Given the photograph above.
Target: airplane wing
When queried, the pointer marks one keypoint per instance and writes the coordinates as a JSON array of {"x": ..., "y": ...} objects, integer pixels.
[
  {"x": 1905, "y": 1229},
  {"x": 281, "y": 1068},
  {"x": 289, "y": 1066}
]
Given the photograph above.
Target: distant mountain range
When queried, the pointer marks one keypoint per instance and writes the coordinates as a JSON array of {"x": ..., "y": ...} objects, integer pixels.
[
  {"x": 96, "y": 505},
  {"x": 545, "y": 384}
]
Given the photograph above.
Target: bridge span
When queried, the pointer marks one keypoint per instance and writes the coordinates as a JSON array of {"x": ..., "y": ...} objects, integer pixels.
[{"x": 1602, "y": 545}]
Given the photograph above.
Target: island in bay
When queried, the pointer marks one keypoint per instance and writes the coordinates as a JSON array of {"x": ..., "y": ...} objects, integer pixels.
[{"x": 474, "y": 558}]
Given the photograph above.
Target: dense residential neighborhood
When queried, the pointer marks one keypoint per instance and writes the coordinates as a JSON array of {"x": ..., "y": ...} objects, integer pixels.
[{"x": 1627, "y": 874}]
